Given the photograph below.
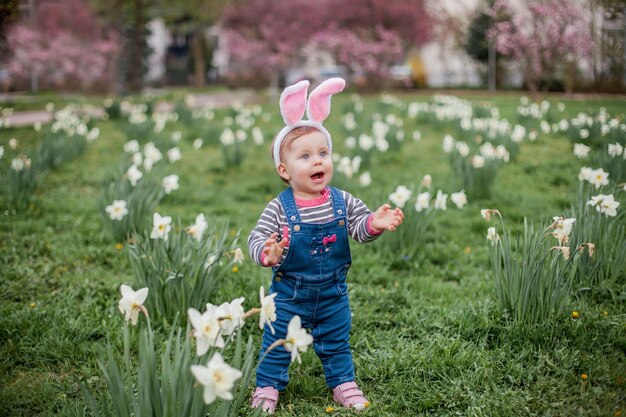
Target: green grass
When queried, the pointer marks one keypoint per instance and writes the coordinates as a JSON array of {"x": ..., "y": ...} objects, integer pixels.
[
  {"x": 427, "y": 336},
  {"x": 38, "y": 101}
]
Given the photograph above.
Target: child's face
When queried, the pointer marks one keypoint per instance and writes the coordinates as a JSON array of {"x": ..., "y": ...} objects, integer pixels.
[{"x": 307, "y": 165}]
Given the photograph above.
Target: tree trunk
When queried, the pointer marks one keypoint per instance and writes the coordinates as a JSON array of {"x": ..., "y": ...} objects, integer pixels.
[
  {"x": 198, "y": 47},
  {"x": 136, "y": 65}
]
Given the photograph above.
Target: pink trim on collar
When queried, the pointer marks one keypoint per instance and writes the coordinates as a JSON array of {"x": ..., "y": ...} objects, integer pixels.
[{"x": 324, "y": 196}]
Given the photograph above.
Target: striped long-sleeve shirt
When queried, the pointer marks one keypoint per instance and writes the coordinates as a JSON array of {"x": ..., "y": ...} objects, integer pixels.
[{"x": 318, "y": 210}]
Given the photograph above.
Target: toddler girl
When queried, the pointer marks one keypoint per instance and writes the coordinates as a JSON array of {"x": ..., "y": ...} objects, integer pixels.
[{"x": 303, "y": 235}]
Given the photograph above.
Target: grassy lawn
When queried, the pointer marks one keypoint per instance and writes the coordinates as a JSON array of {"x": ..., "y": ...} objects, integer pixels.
[
  {"x": 428, "y": 337},
  {"x": 38, "y": 101}
]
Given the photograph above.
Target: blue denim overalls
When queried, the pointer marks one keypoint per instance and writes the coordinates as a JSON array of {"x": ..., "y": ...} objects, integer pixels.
[{"x": 311, "y": 282}]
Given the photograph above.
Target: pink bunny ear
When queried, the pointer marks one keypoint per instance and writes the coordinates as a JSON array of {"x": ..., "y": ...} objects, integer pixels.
[
  {"x": 318, "y": 107},
  {"x": 293, "y": 102}
]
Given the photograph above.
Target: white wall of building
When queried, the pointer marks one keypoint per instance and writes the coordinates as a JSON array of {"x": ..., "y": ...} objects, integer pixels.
[{"x": 158, "y": 41}]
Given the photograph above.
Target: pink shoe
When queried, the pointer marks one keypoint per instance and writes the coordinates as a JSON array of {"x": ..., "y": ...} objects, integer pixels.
[
  {"x": 349, "y": 395},
  {"x": 267, "y": 396}
]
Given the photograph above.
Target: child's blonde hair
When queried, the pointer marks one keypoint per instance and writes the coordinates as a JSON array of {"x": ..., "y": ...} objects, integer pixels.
[{"x": 285, "y": 145}]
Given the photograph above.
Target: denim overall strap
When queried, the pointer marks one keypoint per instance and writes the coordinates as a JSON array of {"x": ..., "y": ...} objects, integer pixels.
[
  {"x": 339, "y": 204},
  {"x": 289, "y": 205}
]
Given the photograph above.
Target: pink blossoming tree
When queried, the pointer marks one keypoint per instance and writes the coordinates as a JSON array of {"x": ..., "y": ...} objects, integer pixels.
[
  {"x": 366, "y": 36},
  {"x": 547, "y": 38},
  {"x": 63, "y": 46}
]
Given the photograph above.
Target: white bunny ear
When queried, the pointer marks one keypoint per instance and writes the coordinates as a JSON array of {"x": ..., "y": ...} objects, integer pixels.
[
  {"x": 318, "y": 107},
  {"x": 293, "y": 102}
]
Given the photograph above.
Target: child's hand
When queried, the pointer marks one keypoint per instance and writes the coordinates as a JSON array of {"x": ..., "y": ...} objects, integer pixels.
[
  {"x": 387, "y": 219},
  {"x": 273, "y": 250}
]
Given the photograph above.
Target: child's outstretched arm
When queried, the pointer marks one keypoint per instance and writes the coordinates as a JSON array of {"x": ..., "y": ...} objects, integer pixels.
[
  {"x": 387, "y": 219},
  {"x": 272, "y": 250}
]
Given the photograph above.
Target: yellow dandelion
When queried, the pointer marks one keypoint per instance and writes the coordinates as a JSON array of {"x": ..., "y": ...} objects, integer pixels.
[
  {"x": 575, "y": 314},
  {"x": 618, "y": 413},
  {"x": 119, "y": 246},
  {"x": 32, "y": 305},
  {"x": 584, "y": 377},
  {"x": 367, "y": 404},
  {"x": 330, "y": 409},
  {"x": 235, "y": 268},
  {"x": 467, "y": 250},
  {"x": 605, "y": 313}
]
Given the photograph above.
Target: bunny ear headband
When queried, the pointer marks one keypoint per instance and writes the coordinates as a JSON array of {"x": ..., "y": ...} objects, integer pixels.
[{"x": 293, "y": 101}]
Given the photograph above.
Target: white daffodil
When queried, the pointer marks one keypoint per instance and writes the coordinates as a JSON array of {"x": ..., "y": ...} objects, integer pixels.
[
  {"x": 210, "y": 261},
  {"x": 477, "y": 161},
  {"x": 133, "y": 174},
  {"x": 581, "y": 150},
  {"x": 462, "y": 148},
  {"x": 381, "y": 144},
  {"x": 132, "y": 302},
  {"x": 137, "y": 158},
  {"x": 615, "y": 149},
  {"x": 176, "y": 136},
  {"x": 427, "y": 181},
  {"x": 440, "y": 201},
  {"x": 257, "y": 136},
  {"x": 93, "y": 134},
  {"x": 198, "y": 228},
  {"x": 492, "y": 235},
  {"x": 502, "y": 153},
  {"x": 345, "y": 166},
  {"x": 131, "y": 146},
  {"x": 459, "y": 199},
  {"x": 599, "y": 177},
  {"x": 230, "y": 315},
  {"x": 487, "y": 150},
  {"x": 238, "y": 256},
  {"x": 152, "y": 153},
  {"x": 17, "y": 164},
  {"x": 1, "y": 151},
  {"x": 268, "y": 309},
  {"x": 365, "y": 142},
  {"x": 448, "y": 143},
  {"x": 365, "y": 179},
  {"x": 609, "y": 206},
  {"x": 400, "y": 196},
  {"x": 417, "y": 136},
  {"x": 13, "y": 143},
  {"x": 604, "y": 204},
  {"x": 585, "y": 174},
  {"x": 161, "y": 226},
  {"x": 217, "y": 378},
  {"x": 298, "y": 339},
  {"x": 206, "y": 329},
  {"x": 117, "y": 210},
  {"x": 227, "y": 137},
  {"x": 197, "y": 143},
  {"x": 170, "y": 183},
  {"x": 148, "y": 164},
  {"x": 584, "y": 133},
  {"x": 174, "y": 154},
  {"x": 422, "y": 202},
  {"x": 562, "y": 229}
]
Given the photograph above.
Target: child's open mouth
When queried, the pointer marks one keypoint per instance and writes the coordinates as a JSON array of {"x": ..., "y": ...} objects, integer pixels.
[{"x": 318, "y": 176}]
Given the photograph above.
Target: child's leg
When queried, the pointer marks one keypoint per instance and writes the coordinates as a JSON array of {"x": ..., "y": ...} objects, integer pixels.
[
  {"x": 331, "y": 340},
  {"x": 273, "y": 367}
]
